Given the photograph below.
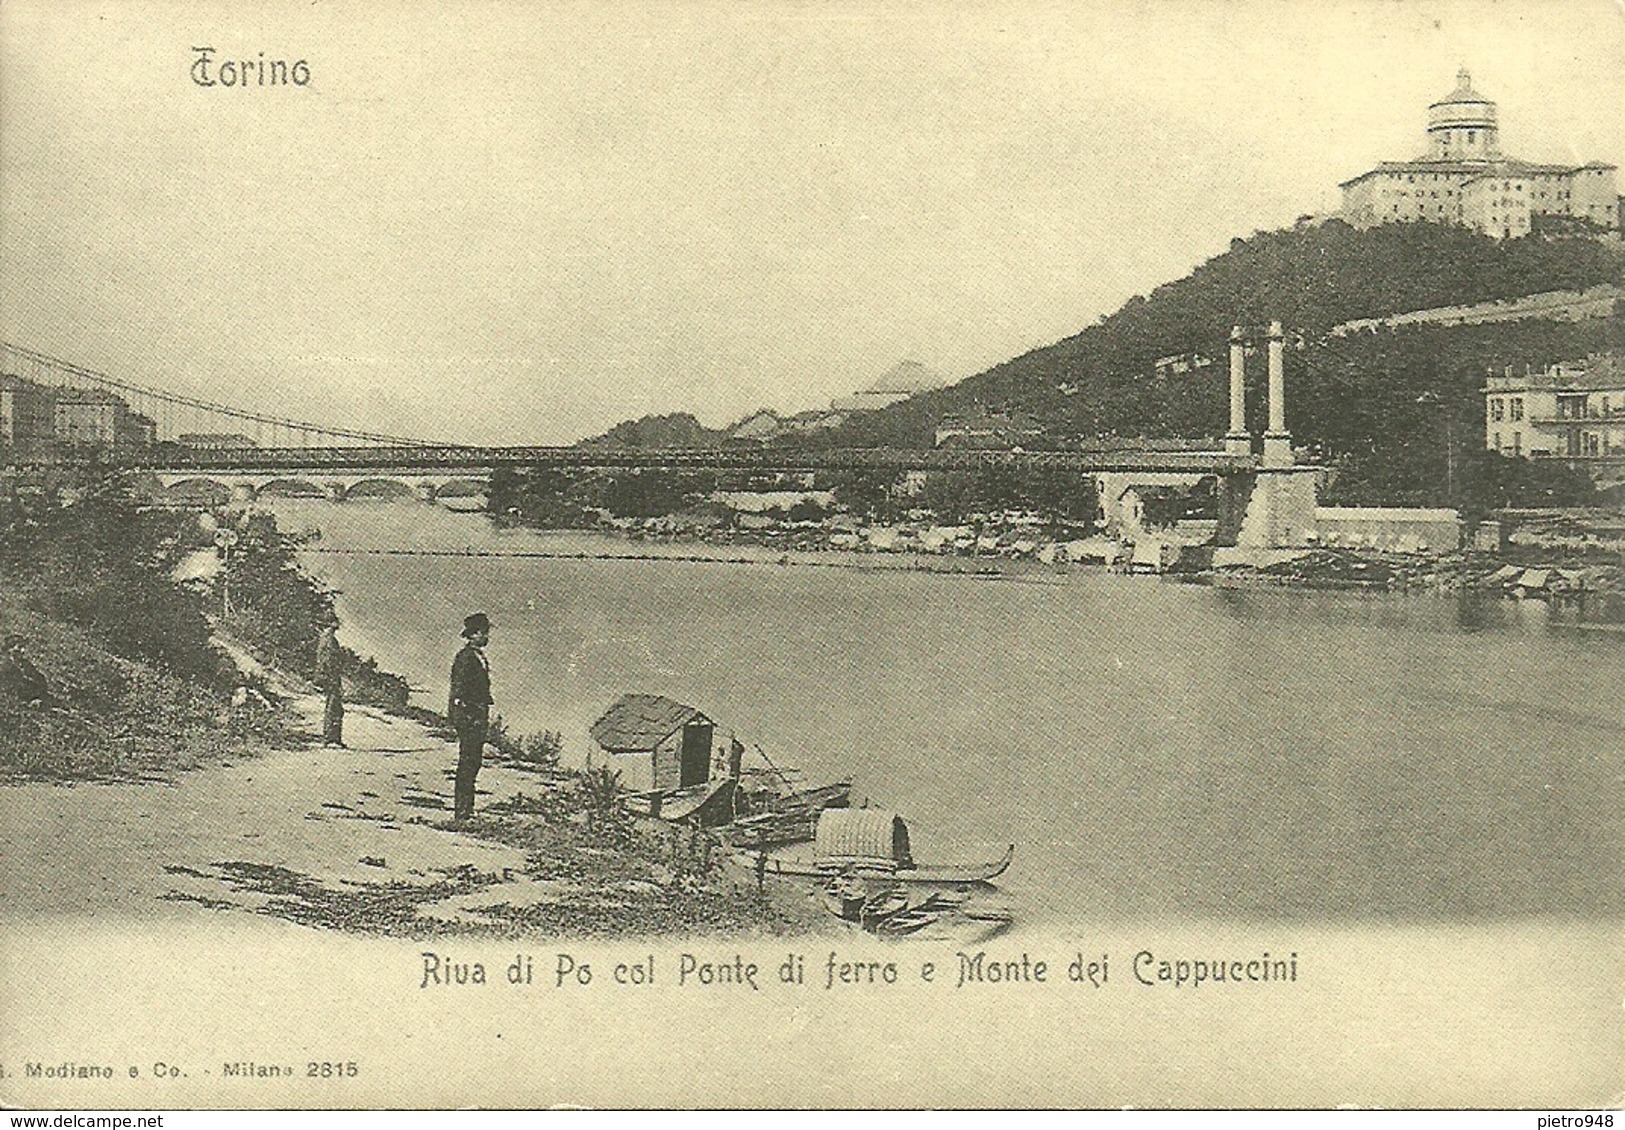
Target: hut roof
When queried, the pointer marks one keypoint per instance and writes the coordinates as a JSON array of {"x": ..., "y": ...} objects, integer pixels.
[{"x": 638, "y": 722}]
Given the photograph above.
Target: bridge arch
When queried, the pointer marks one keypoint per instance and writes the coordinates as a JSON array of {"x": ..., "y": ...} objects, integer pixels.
[
  {"x": 466, "y": 490},
  {"x": 291, "y": 488},
  {"x": 384, "y": 490},
  {"x": 200, "y": 491}
]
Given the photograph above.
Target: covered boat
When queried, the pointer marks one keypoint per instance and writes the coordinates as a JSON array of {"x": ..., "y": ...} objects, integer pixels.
[
  {"x": 863, "y": 838},
  {"x": 873, "y": 843}
]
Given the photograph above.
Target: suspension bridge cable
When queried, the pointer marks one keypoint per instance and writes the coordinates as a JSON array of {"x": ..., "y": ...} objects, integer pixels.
[{"x": 175, "y": 399}]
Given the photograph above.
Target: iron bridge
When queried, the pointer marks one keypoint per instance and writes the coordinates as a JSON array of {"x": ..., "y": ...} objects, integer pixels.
[{"x": 407, "y": 459}]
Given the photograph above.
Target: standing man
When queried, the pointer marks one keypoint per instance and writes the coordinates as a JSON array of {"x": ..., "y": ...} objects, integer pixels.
[
  {"x": 470, "y": 709},
  {"x": 330, "y": 680}
]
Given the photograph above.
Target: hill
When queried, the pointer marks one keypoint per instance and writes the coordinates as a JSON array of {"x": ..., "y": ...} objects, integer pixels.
[
  {"x": 674, "y": 429},
  {"x": 1397, "y": 411},
  {"x": 1104, "y": 380}
]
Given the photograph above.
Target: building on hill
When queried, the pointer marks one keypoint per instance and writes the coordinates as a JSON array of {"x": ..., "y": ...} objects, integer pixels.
[
  {"x": 1464, "y": 178},
  {"x": 988, "y": 431},
  {"x": 815, "y": 420},
  {"x": 1573, "y": 411},
  {"x": 1605, "y": 300},
  {"x": 1177, "y": 364},
  {"x": 901, "y": 381}
]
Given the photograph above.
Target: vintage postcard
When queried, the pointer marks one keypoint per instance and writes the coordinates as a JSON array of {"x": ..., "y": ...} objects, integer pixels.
[{"x": 784, "y": 555}]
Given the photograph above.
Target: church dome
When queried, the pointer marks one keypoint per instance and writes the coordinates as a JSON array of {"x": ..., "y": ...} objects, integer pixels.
[
  {"x": 1461, "y": 126},
  {"x": 1462, "y": 108}
]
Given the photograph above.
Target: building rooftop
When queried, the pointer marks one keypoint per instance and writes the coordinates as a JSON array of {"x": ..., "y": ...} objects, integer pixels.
[
  {"x": 1491, "y": 167},
  {"x": 71, "y": 396},
  {"x": 1463, "y": 91},
  {"x": 1601, "y": 371}
]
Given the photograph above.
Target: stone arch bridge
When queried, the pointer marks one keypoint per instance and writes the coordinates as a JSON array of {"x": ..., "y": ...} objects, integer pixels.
[{"x": 216, "y": 486}]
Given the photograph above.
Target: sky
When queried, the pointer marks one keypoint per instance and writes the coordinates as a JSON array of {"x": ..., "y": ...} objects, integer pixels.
[{"x": 523, "y": 222}]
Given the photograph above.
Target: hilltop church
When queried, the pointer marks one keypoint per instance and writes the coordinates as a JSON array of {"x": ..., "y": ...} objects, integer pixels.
[{"x": 1465, "y": 179}]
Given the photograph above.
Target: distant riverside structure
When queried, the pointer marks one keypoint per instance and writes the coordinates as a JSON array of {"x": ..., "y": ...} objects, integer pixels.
[
  {"x": 216, "y": 441},
  {"x": 1465, "y": 179},
  {"x": 988, "y": 431},
  {"x": 1573, "y": 411}
]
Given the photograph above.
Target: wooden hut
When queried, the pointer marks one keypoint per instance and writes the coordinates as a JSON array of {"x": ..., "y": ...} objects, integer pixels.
[{"x": 655, "y": 743}]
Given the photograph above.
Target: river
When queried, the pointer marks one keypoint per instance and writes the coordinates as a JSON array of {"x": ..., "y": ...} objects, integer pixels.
[{"x": 1150, "y": 747}]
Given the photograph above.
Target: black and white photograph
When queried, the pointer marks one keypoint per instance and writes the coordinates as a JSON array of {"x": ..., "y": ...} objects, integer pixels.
[{"x": 889, "y": 555}]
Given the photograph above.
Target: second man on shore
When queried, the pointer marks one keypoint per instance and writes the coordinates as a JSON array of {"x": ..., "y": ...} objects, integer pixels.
[{"x": 470, "y": 709}]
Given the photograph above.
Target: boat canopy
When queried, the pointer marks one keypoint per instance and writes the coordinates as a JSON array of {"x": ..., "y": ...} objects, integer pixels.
[{"x": 861, "y": 837}]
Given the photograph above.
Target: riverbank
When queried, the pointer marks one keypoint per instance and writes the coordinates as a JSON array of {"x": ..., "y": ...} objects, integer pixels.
[
  {"x": 159, "y": 746},
  {"x": 1564, "y": 572},
  {"x": 358, "y": 840}
]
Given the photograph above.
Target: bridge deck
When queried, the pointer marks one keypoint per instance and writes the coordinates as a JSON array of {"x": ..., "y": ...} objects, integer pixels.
[{"x": 443, "y": 458}]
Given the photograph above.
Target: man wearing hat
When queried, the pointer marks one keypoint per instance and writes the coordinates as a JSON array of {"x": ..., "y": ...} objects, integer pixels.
[
  {"x": 330, "y": 681},
  {"x": 470, "y": 709}
]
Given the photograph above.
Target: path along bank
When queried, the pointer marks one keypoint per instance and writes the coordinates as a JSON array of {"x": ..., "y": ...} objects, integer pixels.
[{"x": 355, "y": 839}]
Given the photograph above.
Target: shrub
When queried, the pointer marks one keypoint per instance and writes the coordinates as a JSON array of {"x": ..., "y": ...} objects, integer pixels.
[{"x": 599, "y": 799}]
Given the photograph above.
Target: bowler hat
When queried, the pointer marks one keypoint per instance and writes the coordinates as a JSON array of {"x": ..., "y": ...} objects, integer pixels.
[{"x": 473, "y": 625}]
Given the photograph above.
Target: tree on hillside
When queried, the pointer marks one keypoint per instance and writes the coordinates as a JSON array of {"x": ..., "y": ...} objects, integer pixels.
[
  {"x": 866, "y": 493},
  {"x": 654, "y": 493},
  {"x": 675, "y": 429}
]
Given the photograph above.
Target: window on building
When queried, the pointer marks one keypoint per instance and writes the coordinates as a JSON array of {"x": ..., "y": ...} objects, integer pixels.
[
  {"x": 1517, "y": 443},
  {"x": 1516, "y": 407},
  {"x": 1498, "y": 409},
  {"x": 1498, "y": 441}
]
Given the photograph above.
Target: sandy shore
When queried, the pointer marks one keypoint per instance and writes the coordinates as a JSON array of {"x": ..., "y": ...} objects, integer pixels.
[{"x": 218, "y": 837}]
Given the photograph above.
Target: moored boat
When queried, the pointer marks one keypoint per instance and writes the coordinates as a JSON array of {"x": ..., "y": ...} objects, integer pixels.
[
  {"x": 845, "y": 895},
  {"x": 708, "y": 804},
  {"x": 944, "y": 873},
  {"x": 872, "y": 843}
]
